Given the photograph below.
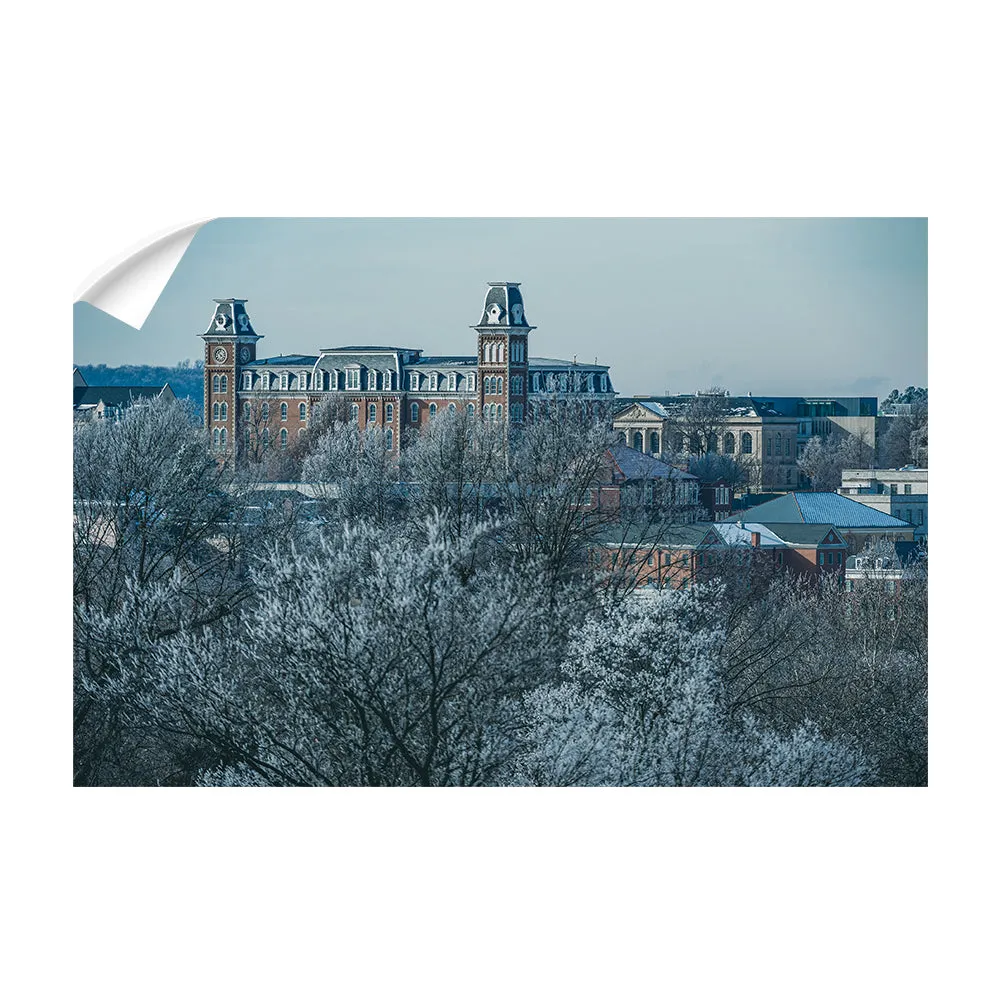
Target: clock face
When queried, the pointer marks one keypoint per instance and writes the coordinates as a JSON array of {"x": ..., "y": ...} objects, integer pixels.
[
  {"x": 221, "y": 354},
  {"x": 244, "y": 354}
]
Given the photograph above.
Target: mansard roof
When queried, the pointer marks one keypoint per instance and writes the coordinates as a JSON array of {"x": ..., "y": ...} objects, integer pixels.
[
  {"x": 290, "y": 360},
  {"x": 444, "y": 361},
  {"x": 568, "y": 365},
  {"x": 115, "y": 395},
  {"x": 503, "y": 307},
  {"x": 636, "y": 465}
]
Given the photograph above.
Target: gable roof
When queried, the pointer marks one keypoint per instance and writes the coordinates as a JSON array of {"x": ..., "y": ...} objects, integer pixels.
[
  {"x": 114, "y": 395},
  {"x": 690, "y": 535},
  {"x": 822, "y": 508},
  {"x": 807, "y": 534},
  {"x": 634, "y": 464}
]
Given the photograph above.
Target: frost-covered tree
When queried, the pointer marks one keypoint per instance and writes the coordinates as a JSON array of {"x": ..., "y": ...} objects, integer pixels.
[
  {"x": 367, "y": 660},
  {"x": 642, "y": 703}
]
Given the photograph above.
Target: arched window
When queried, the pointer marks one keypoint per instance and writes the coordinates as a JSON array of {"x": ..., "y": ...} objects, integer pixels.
[
  {"x": 284, "y": 411},
  {"x": 224, "y": 412},
  {"x": 414, "y": 413},
  {"x": 284, "y": 381},
  {"x": 637, "y": 440},
  {"x": 371, "y": 413},
  {"x": 215, "y": 439},
  {"x": 500, "y": 411},
  {"x": 452, "y": 381},
  {"x": 471, "y": 409},
  {"x": 265, "y": 439},
  {"x": 284, "y": 437},
  {"x": 246, "y": 439},
  {"x": 604, "y": 383},
  {"x": 215, "y": 383},
  {"x": 534, "y": 382},
  {"x": 355, "y": 411},
  {"x": 563, "y": 381},
  {"x": 389, "y": 412},
  {"x": 493, "y": 412},
  {"x": 302, "y": 411},
  {"x": 518, "y": 412},
  {"x": 500, "y": 386},
  {"x": 246, "y": 411},
  {"x": 712, "y": 443},
  {"x": 499, "y": 352},
  {"x": 215, "y": 411},
  {"x": 388, "y": 439},
  {"x": 224, "y": 384},
  {"x": 590, "y": 383},
  {"x": 265, "y": 412},
  {"x": 472, "y": 382},
  {"x": 451, "y": 409},
  {"x": 222, "y": 439},
  {"x": 372, "y": 380},
  {"x": 654, "y": 443},
  {"x": 248, "y": 380},
  {"x": 432, "y": 410},
  {"x": 729, "y": 443},
  {"x": 746, "y": 443}
]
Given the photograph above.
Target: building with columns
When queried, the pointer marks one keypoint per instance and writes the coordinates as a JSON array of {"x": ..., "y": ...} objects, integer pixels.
[{"x": 254, "y": 403}]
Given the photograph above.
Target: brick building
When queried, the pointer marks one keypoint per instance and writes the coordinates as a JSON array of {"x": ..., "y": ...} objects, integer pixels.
[{"x": 253, "y": 403}]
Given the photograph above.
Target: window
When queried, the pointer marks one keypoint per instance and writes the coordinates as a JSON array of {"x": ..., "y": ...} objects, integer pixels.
[
  {"x": 534, "y": 382},
  {"x": 746, "y": 443},
  {"x": 246, "y": 411},
  {"x": 517, "y": 410},
  {"x": 371, "y": 413},
  {"x": 518, "y": 385},
  {"x": 265, "y": 439},
  {"x": 637, "y": 440},
  {"x": 302, "y": 411},
  {"x": 265, "y": 381},
  {"x": 414, "y": 381},
  {"x": 389, "y": 413},
  {"x": 909, "y": 512},
  {"x": 563, "y": 381},
  {"x": 432, "y": 410},
  {"x": 414, "y": 413},
  {"x": 472, "y": 382},
  {"x": 907, "y": 489},
  {"x": 284, "y": 381},
  {"x": 303, "y": 380},
  {"x": 500, "y": 411},
  {"x": 452, "y": 381},
  {"x": 353, "y": 378},
  {"x": 387, "y": 381},
  {"x": 471, "y": 409},
  {"x": 215, "y": 439},
  {"x": 654, "y": 443},
  {"x": 215, "y": 383},
  {"x": 247, "y": 380},
  {"x": 284, "y": 411},
  {"x": 222, "y": 439},
  {"x": 265, "y": 412},
  {"x": 246, "y": 439},
  {"x": 769, "y": 447},
  {"x": 892, "y": 489},
  {"x": 604, "y": 383},
  {"x": 284, "y": 437},
  {"x": 224, "y": 387},
  {"x": 840, "y": 558},
  {"x": 334, "y": 379},
  {"x": 434, "y": 381},
  {"x": 920, "y": 517},
  {"x": 224, "y": 412},
  {"x": 355, "y": 410},
  {"x": 215, "y": 411},
  {"x": 451, "y": 409},
  {"x": 788, "y": 447},
  {"x": 500, "y": 386},
  {"x": 372, "y": 381},
  {"x": 388, "y": 439},
  {"x": 729, "y": 444}
]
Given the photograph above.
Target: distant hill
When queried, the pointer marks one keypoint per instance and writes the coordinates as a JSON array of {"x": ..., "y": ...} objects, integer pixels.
[{"x": 187, "y": 382}]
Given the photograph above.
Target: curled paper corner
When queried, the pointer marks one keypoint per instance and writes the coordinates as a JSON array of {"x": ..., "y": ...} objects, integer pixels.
[{"x": 128, "y": 286}]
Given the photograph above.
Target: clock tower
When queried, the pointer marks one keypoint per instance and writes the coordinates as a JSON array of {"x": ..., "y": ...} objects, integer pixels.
[
  {"x": 503, "y": 354},
  {"x": 230, "y": 342}
]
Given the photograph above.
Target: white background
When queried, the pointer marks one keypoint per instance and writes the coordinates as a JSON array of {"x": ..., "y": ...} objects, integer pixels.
[{"x": 123, "y": 120}]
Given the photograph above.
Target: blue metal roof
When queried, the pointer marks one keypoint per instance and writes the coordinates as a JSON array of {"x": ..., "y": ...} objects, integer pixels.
[{"x": 822, "y": 508}]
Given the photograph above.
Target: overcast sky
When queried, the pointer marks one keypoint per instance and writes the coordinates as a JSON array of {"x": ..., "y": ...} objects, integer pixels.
[{"x": 771, "y": 306}]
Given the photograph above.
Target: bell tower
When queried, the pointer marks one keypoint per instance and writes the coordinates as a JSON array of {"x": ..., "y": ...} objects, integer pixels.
[
  {"x": 230, "y": 342},
  {"x": 503, "y": 353}
]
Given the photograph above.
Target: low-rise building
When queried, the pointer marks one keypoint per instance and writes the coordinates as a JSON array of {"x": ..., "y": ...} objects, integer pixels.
[
  {"x": 857, "y": 523},
  {"x": 109, "y": 402},
  {"x": 900, "y": 493}
]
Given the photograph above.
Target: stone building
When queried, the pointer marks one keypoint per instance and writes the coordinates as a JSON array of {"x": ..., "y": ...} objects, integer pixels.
[{"x": 253, "y": 403}]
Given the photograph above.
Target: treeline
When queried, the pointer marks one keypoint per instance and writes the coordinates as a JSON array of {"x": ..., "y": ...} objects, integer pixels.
[
  {"x": 461, "y": 635},
  {"x": 186, "y": 379}
]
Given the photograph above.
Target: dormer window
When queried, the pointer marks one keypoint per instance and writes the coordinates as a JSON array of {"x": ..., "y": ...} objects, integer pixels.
[
  {"x": 493, "y": 314},
  {"x": 604, "y": 383},
  {"x": 248, "y": 380},
  {"x": 387, "y": 381},
  {"x": 353, "y": 378},
  {"x": 535, "y": 382},
  {"x": 372, "y": 381},
  {"x": 303, "y": 380},
  {"x": 472, "y": 382},
  {"x": 452, "y": 381},
  {"x": 414, "y": 381},
  {"x": 434, "y": 381}
]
